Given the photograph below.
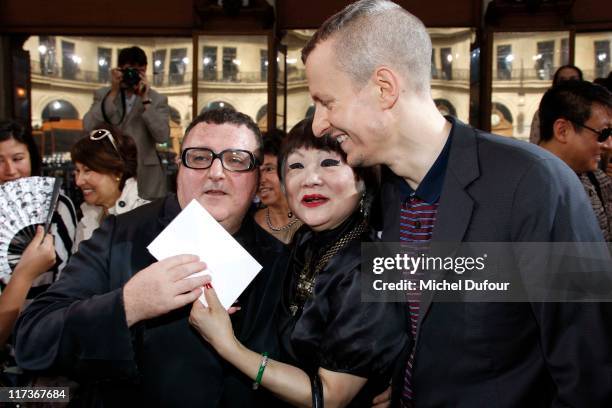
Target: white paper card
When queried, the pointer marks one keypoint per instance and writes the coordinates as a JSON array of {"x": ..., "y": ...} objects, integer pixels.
[{"x": 194, "y": 231}]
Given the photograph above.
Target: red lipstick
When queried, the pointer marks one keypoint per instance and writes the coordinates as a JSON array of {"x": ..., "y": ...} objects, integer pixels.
[{"x": 314, "y": 200}]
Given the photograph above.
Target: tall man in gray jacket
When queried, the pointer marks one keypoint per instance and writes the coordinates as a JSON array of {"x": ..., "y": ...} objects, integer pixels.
[{"x": 130, "y": 105}]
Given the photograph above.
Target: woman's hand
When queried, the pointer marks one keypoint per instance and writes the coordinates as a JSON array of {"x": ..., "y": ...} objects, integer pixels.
[
  {"x": 38, "y": 257},
  {"x": 213, "y": 322},
  {"x": 382, "y": 400}
]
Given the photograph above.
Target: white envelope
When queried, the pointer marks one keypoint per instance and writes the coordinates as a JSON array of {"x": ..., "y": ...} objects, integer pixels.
[{"x": 194, "y": 231}]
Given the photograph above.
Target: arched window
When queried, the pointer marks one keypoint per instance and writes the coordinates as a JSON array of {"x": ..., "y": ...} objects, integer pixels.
[
  {"x": 501, "y": 120},
  {"x": 175, "y": 116},
  {"x": 445, "y": 107},
  {"x": 261, "y": 113},
  {"x": 59, "y": 109},
  {"x": 262, "y": 118},
  {"x": 503, "y": 110}
]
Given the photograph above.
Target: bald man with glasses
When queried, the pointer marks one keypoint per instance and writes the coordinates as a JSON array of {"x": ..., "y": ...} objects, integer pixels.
[{"x": 117, "y": 321}]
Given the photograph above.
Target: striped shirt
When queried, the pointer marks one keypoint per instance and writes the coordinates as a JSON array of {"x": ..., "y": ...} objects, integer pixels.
[
  {"x": 418, "y": 210},
  {"x": 63, "y": 229},
  {"x": 417, "y": 218}
]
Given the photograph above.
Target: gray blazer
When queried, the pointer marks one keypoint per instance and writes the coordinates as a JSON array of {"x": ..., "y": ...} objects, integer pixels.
[
  {"x": 507, "y": 354},
  {"x": 146, "y": 127}
]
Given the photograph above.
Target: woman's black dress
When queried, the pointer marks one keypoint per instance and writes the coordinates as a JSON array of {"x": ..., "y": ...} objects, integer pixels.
[{"x": 332, "y": 328}]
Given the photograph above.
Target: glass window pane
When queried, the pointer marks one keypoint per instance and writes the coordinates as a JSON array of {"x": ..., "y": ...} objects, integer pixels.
[
  {"x": 263, "y": 64},
  {"x": 593, "y": 54},
  {"x": 70, "y": 60},
  {"x": 66, "y": 70},
  {"x": 434, "y": 69},
  {"x": 230, "y": 74},
  {"x": 230, "y": 64},
  {"x": 104, "y": 64},
  {"x": 178, "y": 66},
  {"x": 299, "y": 102},
  {"x": 450, "y": 70},
  {"x": 159, "y": 67},
  {"x": 564, "y": 52},
  {"x": 504, "y": 62},
  {"x": 523, "y": 67},
  {"x": 545, "y": 60},
  {"x": 602, "y": 58},
  {"x": 47, "y": 56},
  {"x": 209, "y": 63},
  {"x": 446, "y": 58}
]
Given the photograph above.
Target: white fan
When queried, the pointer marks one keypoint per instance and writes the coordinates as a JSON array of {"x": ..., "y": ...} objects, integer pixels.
[{"x": 24, "y": 204}]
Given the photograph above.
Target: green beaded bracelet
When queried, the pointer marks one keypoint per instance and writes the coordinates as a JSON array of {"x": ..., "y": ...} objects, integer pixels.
[{"x": 262, "y": 367}]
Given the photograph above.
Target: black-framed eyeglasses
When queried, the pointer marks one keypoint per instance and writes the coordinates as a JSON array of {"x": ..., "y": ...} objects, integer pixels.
[
  {"x": 100, "y": 134},
  {"x": 602, "y": 135},
  {"x": 236, "y": 160}
]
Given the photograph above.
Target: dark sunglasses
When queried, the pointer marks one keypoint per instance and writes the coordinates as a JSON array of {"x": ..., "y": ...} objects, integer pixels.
[{"x": 602, "y": 135}]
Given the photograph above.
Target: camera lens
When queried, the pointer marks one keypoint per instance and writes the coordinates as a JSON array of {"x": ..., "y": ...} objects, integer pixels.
[{"x": 131, "y": 77}]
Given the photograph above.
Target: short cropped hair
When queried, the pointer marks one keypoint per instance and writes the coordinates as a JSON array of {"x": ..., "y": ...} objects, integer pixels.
[
  {"x": 10, "y": 129},
  {"x": 371, "y": 33},
  {"x": 571, "y": 100},
  {"x": 231, "y": 116},
  {"x": 101, "y": 156},
  {"x": 132, "y": 55}
]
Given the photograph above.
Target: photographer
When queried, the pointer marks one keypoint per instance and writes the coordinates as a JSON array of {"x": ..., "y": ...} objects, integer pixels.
[{"x": 130, "y": 105}]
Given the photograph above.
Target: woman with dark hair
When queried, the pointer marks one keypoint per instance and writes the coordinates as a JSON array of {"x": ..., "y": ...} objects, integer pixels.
[
  {"x": 567, "y": 72},
  {"x": 275, "y": 217},
  {"x": 46, "y": 255},
  {"x": 334, "y": 349},
  {"x": 25, "y": 165},
  {"x": 105, "y": 171}
]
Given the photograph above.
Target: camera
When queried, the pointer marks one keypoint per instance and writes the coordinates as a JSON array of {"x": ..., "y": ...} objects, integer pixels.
[{"x": 131, "y": 77}]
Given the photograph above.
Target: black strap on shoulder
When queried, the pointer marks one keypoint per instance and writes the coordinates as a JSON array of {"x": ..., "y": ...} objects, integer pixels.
[{"x": 105, "y": 116}]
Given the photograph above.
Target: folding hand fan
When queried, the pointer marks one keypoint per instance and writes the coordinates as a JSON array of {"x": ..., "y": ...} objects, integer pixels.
[{"x": 24, "y": 203}]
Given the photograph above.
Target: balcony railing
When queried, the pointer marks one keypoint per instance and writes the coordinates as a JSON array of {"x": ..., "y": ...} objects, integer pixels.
[
  {"x": 233, "y": 76},
  {"x": 72, "y": 73},
  {"x": 591, "y": 74},
  {"x": 452, "y": 75},
  {"x": 528, "y": 74},
  {"x": 296, "y": 74},
  {"x": 161, "y": 79},
  {"x": 293, "y": 74}
]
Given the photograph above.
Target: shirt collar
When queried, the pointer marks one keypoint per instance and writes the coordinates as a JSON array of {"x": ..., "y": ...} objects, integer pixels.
[{"x": 430, "y": 189}]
